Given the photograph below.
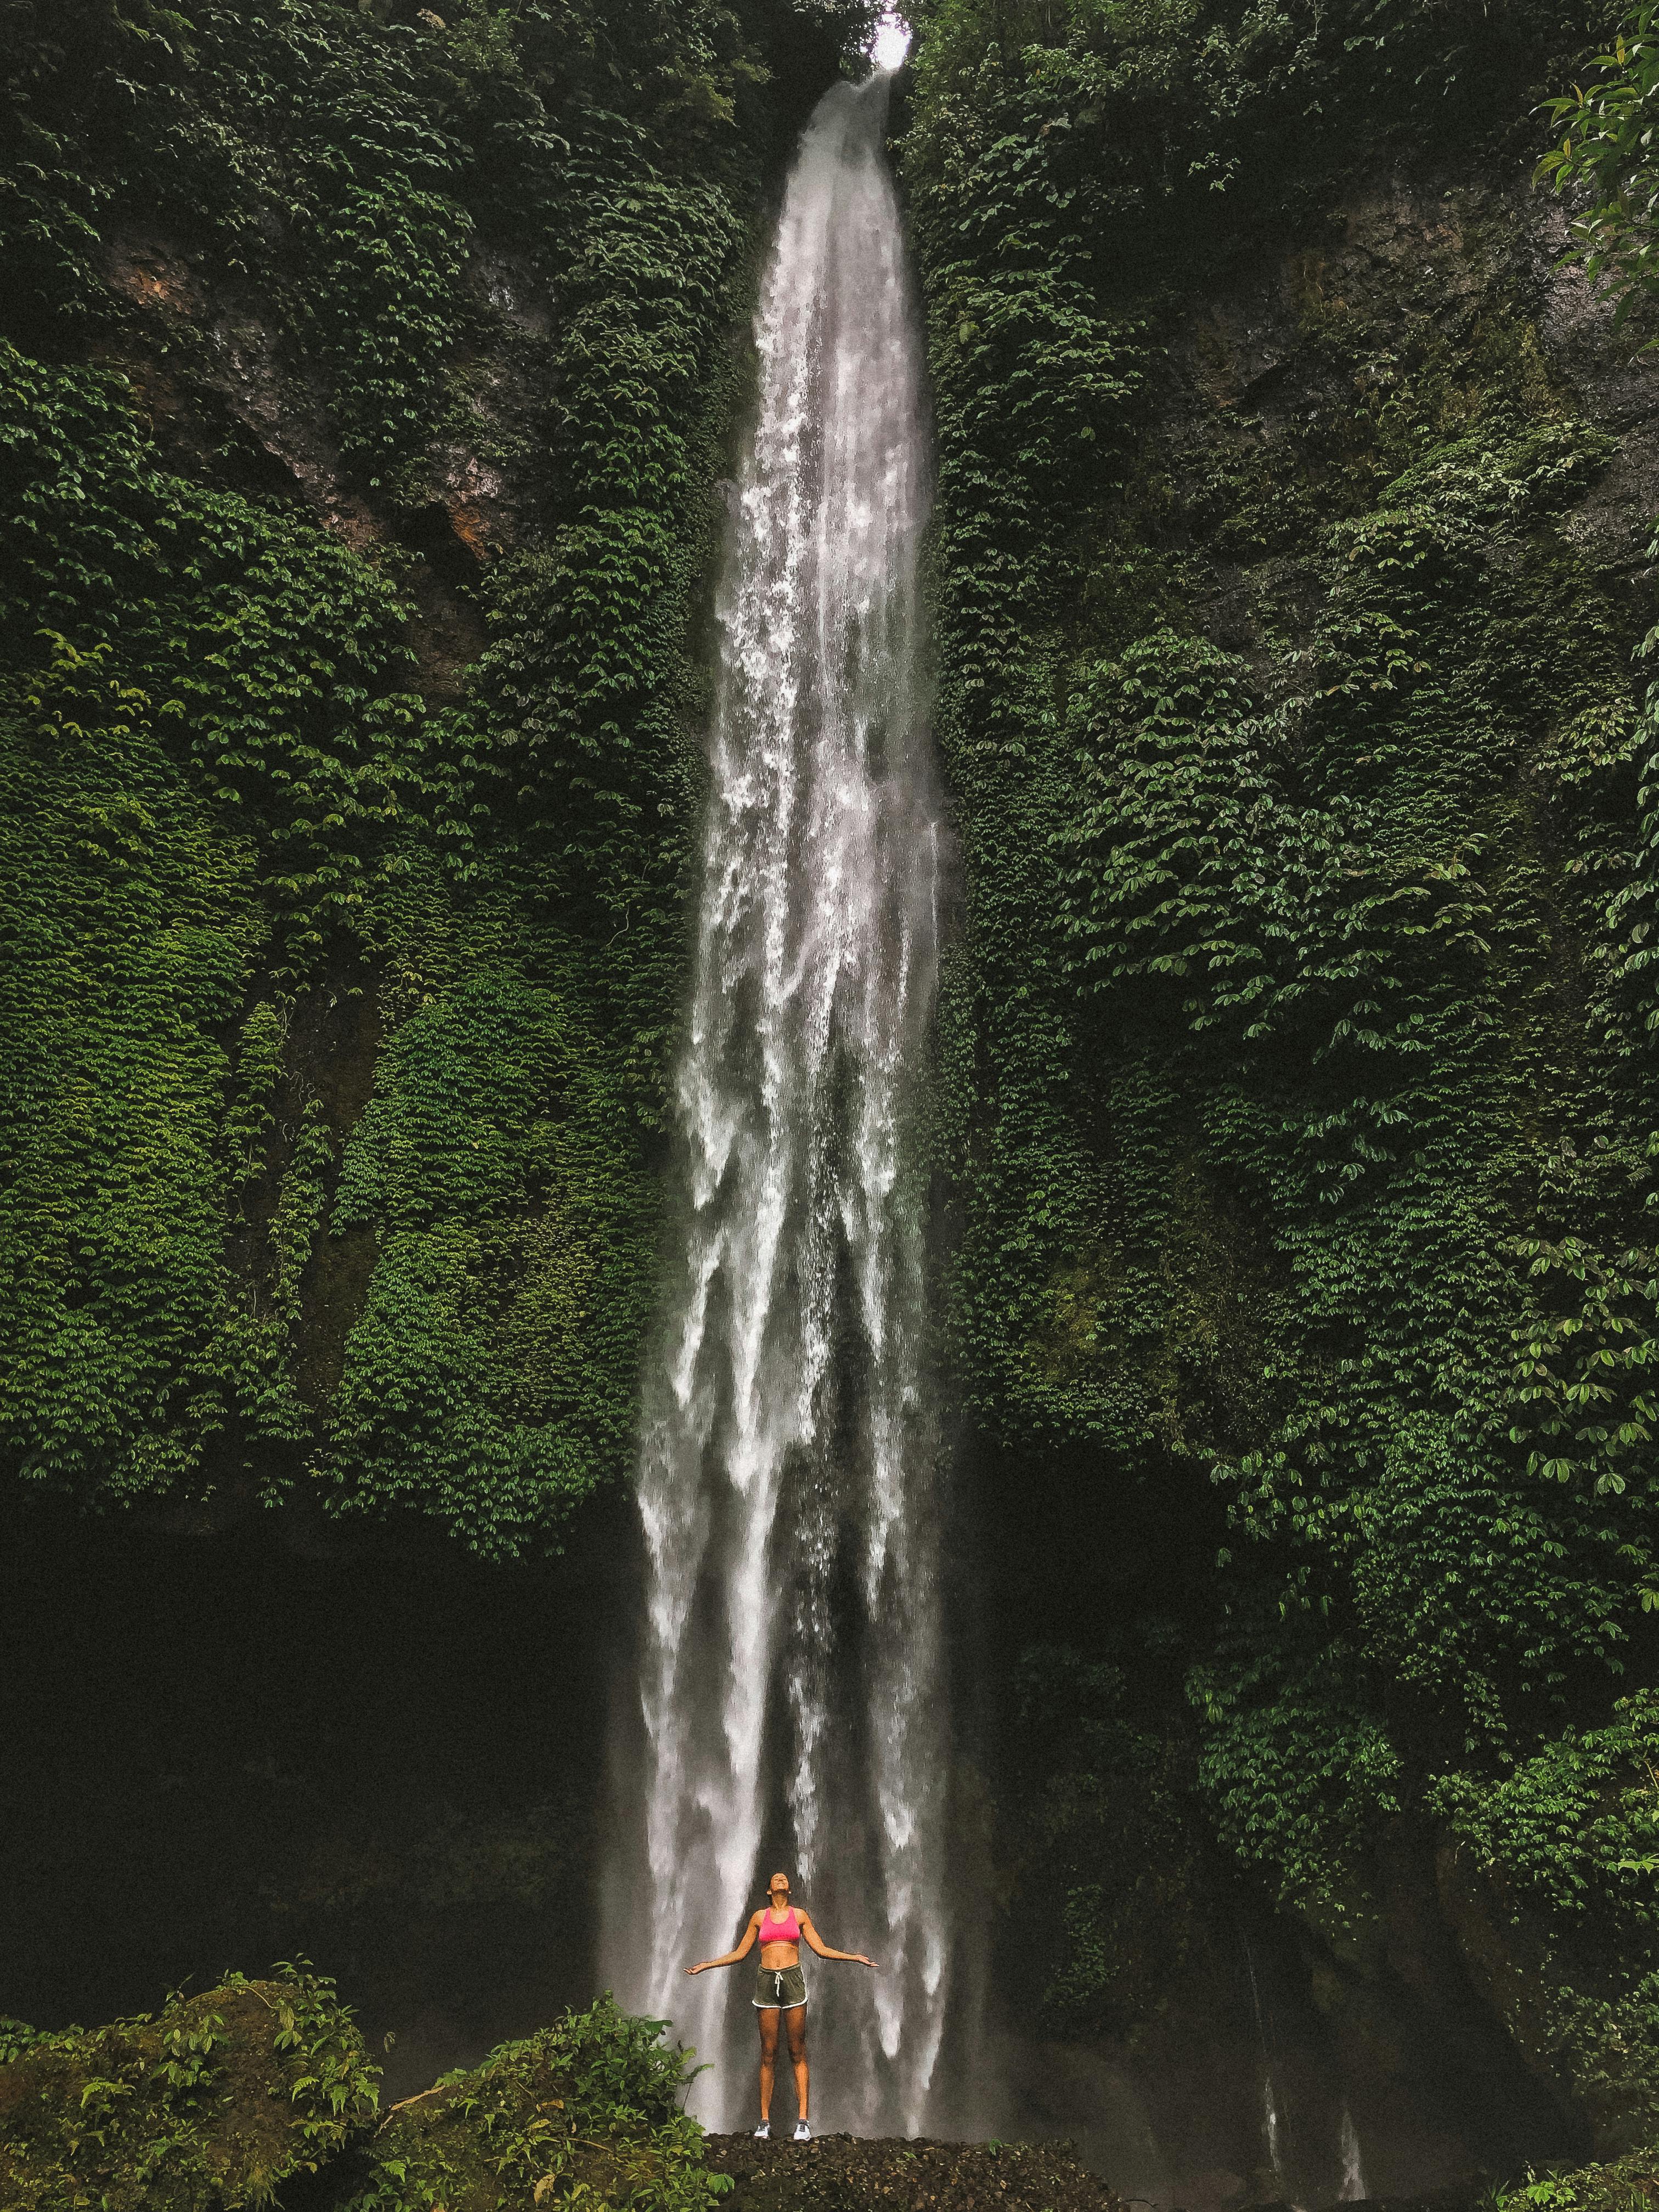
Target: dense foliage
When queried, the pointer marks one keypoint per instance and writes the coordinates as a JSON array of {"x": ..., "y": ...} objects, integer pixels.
[
  {"x": 338, "y": 974},
  {"x": 211, "y": 2104},
  {"x": 586, "y": 2111},
  {"x": 1299, "y": 1049},
  {"x": 204, "y": 2106},
  {"x": 1608, "y": 156}
]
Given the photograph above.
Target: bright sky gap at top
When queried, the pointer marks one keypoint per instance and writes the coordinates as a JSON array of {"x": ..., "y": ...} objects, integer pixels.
[{"x": 892, "y": 42}]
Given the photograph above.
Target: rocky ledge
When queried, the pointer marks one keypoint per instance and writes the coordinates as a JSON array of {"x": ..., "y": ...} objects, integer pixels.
[{"x": 852, "y": 2173}]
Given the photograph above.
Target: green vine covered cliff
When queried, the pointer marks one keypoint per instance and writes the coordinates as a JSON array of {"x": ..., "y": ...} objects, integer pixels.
[
  {"x": 366, "y": 376},
  {"x": 1292, "y": 568},
  {"x": 366, "y": 373}
]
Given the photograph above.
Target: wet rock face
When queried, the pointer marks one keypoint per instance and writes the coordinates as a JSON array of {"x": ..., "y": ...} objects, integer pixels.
[
  {"x": 1455, "y": 282},
  {"x": 229, "y": 396},
  {"x": 843, "y": 2173}
]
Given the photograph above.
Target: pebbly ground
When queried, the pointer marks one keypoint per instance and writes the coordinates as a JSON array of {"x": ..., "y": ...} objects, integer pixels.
[{"x": 851, "y": 2173}]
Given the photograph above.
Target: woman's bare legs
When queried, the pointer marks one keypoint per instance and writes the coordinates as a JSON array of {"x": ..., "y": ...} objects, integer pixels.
[
  {"x": 769, "y": 2032},
  {"x": 795, "y": 2021},
  {"x": 796, "y": 2018}
]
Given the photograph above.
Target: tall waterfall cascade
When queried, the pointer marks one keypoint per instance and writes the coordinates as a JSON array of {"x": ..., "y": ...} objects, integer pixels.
[{"x": 793, "y": 1689}]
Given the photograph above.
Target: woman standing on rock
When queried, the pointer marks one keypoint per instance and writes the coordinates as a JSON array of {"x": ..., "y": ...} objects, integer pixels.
[{"x": 781, "y": 1988}]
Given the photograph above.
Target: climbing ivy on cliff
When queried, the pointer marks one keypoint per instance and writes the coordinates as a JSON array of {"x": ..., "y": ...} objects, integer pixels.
[
  {"x": 366, "y": 373},
  {"x": 1298, "y": 1063}
]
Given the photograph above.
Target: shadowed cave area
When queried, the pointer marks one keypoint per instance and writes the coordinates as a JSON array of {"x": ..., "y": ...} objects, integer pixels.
[{"x": 222, "y": 1751}]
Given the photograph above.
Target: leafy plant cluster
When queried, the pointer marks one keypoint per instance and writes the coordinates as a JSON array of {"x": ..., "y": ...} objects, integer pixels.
[
  {"x": 208, "y": 2104},
  {"x": 341, "y": 991},
  {"x": 1617, "y": 2184},
  {"x": 1564, "y": 1846},
  {"x": 586, "y": 2111},
  {"x": 1607, "y": 157},
  {"x": 1297, "y": 1052},
  {"x": 213, "y": 2103}
]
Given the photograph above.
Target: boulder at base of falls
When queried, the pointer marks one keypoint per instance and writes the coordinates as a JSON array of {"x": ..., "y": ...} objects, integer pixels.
[{"x": 855, "y": 2173}]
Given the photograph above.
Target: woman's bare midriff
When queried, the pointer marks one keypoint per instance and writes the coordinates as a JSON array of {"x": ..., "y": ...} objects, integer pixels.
[{"x": 774, "y": 1955}]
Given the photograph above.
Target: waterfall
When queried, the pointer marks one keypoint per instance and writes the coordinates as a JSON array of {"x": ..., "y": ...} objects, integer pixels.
[
  {"x": 1353, "y": 2190},
  {"x": 1270, "y": 2131},
  {"x": 792, "y": 1684}
]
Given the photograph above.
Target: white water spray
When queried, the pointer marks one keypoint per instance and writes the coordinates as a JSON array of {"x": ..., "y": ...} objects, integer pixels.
[{"x": 792, "y": 1689}]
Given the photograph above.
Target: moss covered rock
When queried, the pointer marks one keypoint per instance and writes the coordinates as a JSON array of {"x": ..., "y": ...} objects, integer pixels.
[
  {"x": 586, "y": 2110},
  {"x": 846, "y": 2174},
  {"x": 205, "y": 2106}
]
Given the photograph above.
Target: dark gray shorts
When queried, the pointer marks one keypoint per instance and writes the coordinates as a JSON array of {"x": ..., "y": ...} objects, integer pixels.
[{"x": 779, "y": 1989}]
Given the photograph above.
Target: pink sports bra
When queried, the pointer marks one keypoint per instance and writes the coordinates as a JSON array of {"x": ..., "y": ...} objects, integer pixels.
[{"x": 786, "y": 1931}]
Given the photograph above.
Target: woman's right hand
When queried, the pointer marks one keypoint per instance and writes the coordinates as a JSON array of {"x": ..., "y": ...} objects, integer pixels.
[{"x": 698, "y": 1968}]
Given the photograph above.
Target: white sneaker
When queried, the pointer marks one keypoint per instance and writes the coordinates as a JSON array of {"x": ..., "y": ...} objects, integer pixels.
[
  {"x": 803, "y": 2133},
  {"x": 763, "y": 2132}
]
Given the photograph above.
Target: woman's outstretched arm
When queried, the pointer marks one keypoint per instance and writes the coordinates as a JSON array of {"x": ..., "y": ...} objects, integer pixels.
[
  {"x": 731, "y": 1957},
  {"x": 853, "y": 1958}
]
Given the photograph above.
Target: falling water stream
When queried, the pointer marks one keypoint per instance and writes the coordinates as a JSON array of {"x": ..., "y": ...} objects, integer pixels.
[
  {"x": 793, "y": 1685},
  {"x": 1353, "y": 2190}
]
